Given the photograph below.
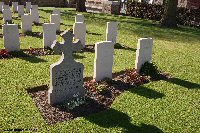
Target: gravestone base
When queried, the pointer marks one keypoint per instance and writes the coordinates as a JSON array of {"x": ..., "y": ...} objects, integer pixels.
[{"x": 67, "y": 83}]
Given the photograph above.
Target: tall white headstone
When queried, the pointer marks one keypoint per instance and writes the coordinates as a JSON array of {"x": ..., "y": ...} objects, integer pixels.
[
  {"x": 1, "y": 6},
  {"x": 28, "y": 7},
  {"x": 49, "y": 34},
  {"x": 20, "y": 9},
  {"x": 79, "y": 18},
  {"x": 14, "y": 6},
  {"x": 34, "y": 6},
  {"x": 55, "y": 18},
  {"x": 103, "y": 61},
  {"x": 26, "y": 23},
  {"x": 66, "y": 76},
  {"x": 144, "y": 52},
  {"x": 79, "y": 31},
  {"x": 11, "y": 37},
  {"x": 7, "y": 15},
  {"x": 111, "y": 31},
  {"x": 56, "y": 11},
  {"x": 35, "y": 15}
]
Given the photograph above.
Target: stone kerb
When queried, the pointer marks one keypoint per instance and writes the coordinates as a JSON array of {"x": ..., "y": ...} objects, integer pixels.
[
  {"x": 144, "y": 52},
  {"x": 103, "y": 61},
  {"x": 11, "y": 37}
]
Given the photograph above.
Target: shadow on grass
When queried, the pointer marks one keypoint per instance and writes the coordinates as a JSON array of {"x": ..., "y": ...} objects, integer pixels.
[
  {"x": 92, "y": 33},
  {"x": 113, "y": 118},
  {"x": 184, "y": 83},
  {"x": 26, "y": 57},
  {"x": 123, "y": 47},
  {"x": 32, "y": 34}
]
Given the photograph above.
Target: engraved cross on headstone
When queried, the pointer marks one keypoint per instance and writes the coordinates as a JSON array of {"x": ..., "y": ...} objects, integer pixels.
[{"x": 67, "y": 47}]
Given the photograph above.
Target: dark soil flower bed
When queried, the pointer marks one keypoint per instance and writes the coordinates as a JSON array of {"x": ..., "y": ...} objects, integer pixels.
[{"x": 99, "y": 96}]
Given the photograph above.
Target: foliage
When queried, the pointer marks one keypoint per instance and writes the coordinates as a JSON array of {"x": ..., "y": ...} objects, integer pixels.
[
  {"x": 188, "y": 17},
  {"x": 150, "y": 69}
]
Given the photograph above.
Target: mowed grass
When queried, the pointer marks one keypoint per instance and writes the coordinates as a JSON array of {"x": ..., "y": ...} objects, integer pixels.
[{"x": 161, "y": 106}]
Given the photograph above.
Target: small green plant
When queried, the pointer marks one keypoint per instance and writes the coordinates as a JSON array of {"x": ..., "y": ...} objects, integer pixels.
[{"x": 150, "y": 69}]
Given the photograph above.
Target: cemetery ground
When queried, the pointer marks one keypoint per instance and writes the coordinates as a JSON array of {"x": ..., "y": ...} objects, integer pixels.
[{"x": 171, "y": 105}]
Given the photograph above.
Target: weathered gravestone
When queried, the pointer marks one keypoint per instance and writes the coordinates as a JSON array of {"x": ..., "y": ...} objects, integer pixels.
[
  {"x": 56, "y": 11},
  {"x": 55, "y": 18},
  {"x": 79, "y": 31},
  {"x": 103, "y": 61},
  {"x": 66, "y": 76},
  {"x": 6, "y": 7},
  {"x": 79, "y": 18},
  {"x": 7, "y": 15},
  {"x": 26, "y": 23},
  {"x": 111, "y": 32},
  {"x": 49, "y": 34},
  {"x": 1, "y": 6},
  {"x": 34, "y": 7},
  {"x": 11, "y": 37},
  {"x": 14, "y": 6},
  {"x": 144, "y": 52},
  {"x": 35, "y": 15},
  {"x": 20, "y": 9},
  {"x": 28, "y": 7}
]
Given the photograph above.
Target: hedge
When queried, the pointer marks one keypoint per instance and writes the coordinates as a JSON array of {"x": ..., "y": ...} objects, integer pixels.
[{"x": 188, "y": 17}]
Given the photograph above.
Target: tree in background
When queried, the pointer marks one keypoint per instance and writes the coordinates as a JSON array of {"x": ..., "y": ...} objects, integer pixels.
[
  {"x": 169, "y": 16},
  {"x": 80, "y": 6}
]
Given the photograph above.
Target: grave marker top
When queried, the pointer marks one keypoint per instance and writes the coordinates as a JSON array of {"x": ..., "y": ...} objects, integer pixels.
[{"x": 67, "y": 47}]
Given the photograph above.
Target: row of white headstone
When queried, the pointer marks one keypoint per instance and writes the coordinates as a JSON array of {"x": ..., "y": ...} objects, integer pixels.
[
  {"x": 15, "y": 7},
  {"x": 66, "y": 75}
]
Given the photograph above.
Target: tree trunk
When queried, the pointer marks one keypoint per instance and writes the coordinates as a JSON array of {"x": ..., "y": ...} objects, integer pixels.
[
  {"x": 80, "y": 6},
  {"x": 169, "y": 16}
]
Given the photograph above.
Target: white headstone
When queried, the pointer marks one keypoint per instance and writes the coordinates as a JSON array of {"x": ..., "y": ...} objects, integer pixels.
[
  {"x": 35, "y": 15},
  {"x": 111, "y": 32},
  {"x": 34, "y": 6},
  {"x": 11, "y": 37},
  {"x": 26, "y": 23},
  {"x": 28, "y": 7},
  {"x": 1, "y": 6},
  {"x": 79, "y": 18},
  {"x": 55, "y": 18},
  {"x": 103, "y": 61},
  {"x": 66, "y": 76},
  {"x": 7, "y": 15},
  {"x": 56, "y": 11},
  {"x": 14, "y": 6},
  {"x": 79, "y": 31},
  {"x": 144, "y": 52},
  {"x": 49, "y": 34},
  {"x": 20, "y": 9},
  {"x": 6, "y": 7}
]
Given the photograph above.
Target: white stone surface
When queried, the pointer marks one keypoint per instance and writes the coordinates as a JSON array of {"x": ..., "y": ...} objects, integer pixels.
[
  {"x": 34, "y": 7},
  {"x": 26, "y": 23},
  {"x": 55, "y": 18},
  {"x": 28, "y": 7},
  {"x": 7, "y": 15},
  {"x": 20, "y": 9},
  {"x": 35, "y": 15},
  {"x": 112, "y": 31},
  {"x": 79, "y": 18},
  {"x": 66, "y": 76},
  {"x": 11, "y": 37},
  {"x": 1, "y": 6},
  {"x": 49, "y": 34},
  {"x": 6, "y": 7},
  {"x": 103, "y": 62},
  {"x": 14, "y": 6},
  {"x": 144, "y": 52},
  {"x": 79, "y": 31},
  {"x": 56, "y": 11}
]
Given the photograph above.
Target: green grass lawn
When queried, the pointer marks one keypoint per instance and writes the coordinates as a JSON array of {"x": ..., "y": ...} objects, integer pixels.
[{"x": 176, "y": 51}]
